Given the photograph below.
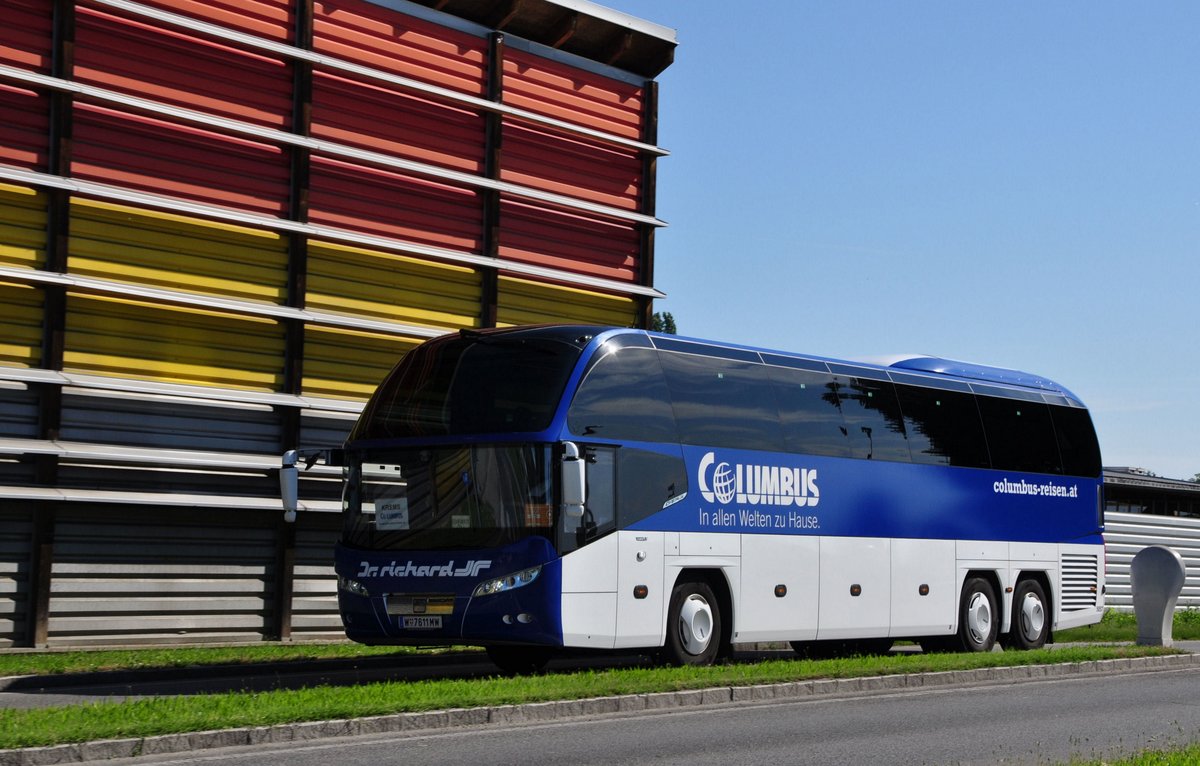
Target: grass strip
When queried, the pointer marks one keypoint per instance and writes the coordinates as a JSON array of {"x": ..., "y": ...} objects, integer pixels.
[
  {"x": 1116, "y": 626},
  {"x": 167, "y": 715},
  {"x": 1188, "y": 755},
  {"x": 1122, "y": 626},
  {"x": 93, "y": 661}
]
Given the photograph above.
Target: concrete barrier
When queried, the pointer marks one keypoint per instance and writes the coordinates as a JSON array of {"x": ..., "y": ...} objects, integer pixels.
[{"x": 1157, "y": 574}]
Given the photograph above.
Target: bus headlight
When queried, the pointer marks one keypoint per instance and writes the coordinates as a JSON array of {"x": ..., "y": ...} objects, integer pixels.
[
  {"x": 353, "y": 586},
  {"x": 507, "y": 582}
]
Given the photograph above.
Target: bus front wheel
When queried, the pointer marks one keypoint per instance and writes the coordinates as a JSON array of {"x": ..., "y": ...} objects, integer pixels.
[
  {"x": 693, "y": 625},
  {"x": 978, "y": 619}
]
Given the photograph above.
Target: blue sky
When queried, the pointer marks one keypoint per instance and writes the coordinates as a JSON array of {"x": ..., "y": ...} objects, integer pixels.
[{"x": 1013, "y": 184}]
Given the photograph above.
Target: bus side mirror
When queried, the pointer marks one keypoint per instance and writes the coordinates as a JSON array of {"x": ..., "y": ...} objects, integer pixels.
[
  {"x": 574, "y": 487},
  {"x": 288, "y": 485}
]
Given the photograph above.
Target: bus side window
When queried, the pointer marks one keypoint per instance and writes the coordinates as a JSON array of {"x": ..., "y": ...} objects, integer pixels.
[
  {"x": 1076, "y": 441},
  {"x": 648, "y": 481},
  {"x": 600, "y": 511},
  {"x": 943, "y": 427},
  {"x": 722, "y": 402},
  {"x": 624, "y": 397},
  {"x": 873, "y": 420},
  {"x": 1020, "y": 435},
  {"x": 810, "y": 412}
]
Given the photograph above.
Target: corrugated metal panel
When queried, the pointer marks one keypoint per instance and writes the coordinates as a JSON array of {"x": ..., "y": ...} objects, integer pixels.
[
  {"x": 1127, "y": 533},
  {"x": 92, "y": 476},
  {"x": 20, "y": 325},
  {"x": 15, "y": 472},
  {"x": 567, "y": 93},
  {"x": 16, "y": 543},
  {"x": 314, "y": 583},
  {"x": 169, "y": 422},
  {"x": 573, "y": 241},
  {"x": 121, "y": 578},
  {"x": 390, "y": 121},
  {"x": 22, "y": 227},
  {"x": 324, "y": 430},
  {"x": 384, "y": 39},
  {"x": 525, "y": 302},
  {"x": 110, "y": 336},
  {"x": 25, "y": 35},
  {"x": 153, "y": 155},
  {"x": 571, "y": 165},
  {"x": 265, "y": 18},
  {"x": 24, "y": 128},
  {"x": 18, "y": 411},
  {"x": 180, "y": 253},
  {"x": 394, "y": 205},
  {"x": 170, "y": 66},
  {"x": 388, "y": 286},
  {"x": 342, "y": 364}
]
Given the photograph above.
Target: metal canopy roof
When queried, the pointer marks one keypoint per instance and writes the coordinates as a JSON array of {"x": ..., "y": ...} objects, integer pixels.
[{"x": 575, "y": 26}]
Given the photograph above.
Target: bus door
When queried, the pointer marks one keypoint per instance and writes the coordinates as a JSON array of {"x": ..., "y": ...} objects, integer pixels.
[{"x": 589, "y": 584}]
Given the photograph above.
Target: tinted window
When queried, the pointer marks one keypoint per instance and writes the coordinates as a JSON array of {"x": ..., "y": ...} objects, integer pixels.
[
  {"x": 943, "y": 427},
  {"x": 448, "y": 497},
  {"x": 810, "y": 412},
  {"x": 624, "y": 396},
  {"x": 498, "y": 384},
  {"x": 646, "y": 481},
  {"x": 874, "y": 424},
  {"x": 1020, "y": 435},
  {"x": 1076, "y": 441},
  {"x": 722, "y": 402}
]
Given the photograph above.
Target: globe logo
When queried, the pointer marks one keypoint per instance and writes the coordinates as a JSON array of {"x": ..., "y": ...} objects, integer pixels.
[{"x": 724, "y": 482}]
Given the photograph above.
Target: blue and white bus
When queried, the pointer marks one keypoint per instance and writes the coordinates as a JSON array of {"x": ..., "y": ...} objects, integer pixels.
[{"x": 541, "y": 489}]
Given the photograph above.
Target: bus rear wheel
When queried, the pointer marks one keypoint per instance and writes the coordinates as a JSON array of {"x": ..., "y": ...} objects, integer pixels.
[
  {"x": 978, "y": 623},
  {"x": 519, "y": 660},
  {"x": 1030, "y": 621},
  {"x": 693, "y": 625}
]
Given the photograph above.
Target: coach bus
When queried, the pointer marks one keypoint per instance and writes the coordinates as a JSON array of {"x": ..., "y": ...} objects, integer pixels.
[{"x": 541, "y": 489}]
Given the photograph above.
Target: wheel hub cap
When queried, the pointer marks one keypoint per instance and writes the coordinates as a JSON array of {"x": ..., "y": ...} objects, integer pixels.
[
  {"x": 1033, "y": 617},
  {"x": 695, "y": 624},
  {"x": 979, "y": 618}
]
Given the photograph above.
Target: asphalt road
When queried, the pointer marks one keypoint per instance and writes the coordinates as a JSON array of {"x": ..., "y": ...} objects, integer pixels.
[{"x": 1029, "y": 722}]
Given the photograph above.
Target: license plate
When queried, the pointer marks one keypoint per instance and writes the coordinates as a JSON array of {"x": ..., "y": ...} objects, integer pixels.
[{"x": 434, "y": 621}]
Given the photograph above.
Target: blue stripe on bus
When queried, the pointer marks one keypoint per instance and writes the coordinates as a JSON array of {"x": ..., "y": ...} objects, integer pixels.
[{"x": 750, "y": 492}]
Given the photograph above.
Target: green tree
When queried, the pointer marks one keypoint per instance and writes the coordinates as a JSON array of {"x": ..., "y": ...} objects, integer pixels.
[
  {"x": 662, "y": 321},
  {"x": 1195, "y": 479}
]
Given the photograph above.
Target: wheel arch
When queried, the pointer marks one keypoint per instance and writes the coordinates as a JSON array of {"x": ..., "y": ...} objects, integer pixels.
[{"x": 716, "y": 579}]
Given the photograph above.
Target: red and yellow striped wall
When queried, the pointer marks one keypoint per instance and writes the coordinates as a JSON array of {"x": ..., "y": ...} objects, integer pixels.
[
  {"x": 153, "y": 167},
  {"x": 223, "y": 221}
]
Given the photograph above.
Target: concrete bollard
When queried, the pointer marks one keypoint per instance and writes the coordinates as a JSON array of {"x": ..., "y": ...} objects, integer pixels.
[{"x": 1156, "y": 577}]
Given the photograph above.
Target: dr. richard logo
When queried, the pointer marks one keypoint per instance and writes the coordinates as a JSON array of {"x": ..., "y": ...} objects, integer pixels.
[{"x": 751, "y": 484}]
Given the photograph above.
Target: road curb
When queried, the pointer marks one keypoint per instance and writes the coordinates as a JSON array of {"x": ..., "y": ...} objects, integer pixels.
[{"x": 541, "y": 712}]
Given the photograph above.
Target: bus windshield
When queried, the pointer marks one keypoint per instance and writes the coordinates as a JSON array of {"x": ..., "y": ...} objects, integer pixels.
[
  {"x": 448, "y": 497},
  {"x": 471, "y": 383}
]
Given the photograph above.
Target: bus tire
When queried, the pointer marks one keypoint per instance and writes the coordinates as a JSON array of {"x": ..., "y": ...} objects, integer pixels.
[
  {"x": 693, "y": 625},
  {"x": 1030, "y": 618},
  {"x": 978, "y": 618},
  {"x": 519, "y": 660}
]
